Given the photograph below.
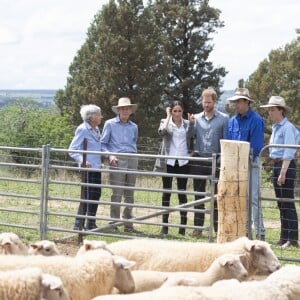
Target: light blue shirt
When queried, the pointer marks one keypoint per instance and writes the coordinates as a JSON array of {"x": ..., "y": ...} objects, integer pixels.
[
  {"x": 209, "y": 132},
  {"x": 86, "y": 131},
  {"x": 284, "y": 133},
  {"x": 119, "y": 137}
]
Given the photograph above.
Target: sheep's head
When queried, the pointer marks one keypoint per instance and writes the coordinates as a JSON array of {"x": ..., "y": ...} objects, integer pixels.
[{"x": 262, "y": 256}]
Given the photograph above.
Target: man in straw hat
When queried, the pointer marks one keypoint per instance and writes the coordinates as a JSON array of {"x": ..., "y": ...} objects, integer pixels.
[
  {"x": 120, "y": 135},
  {"x": 248, "y": 126},
  {"x": 284, "y": 168}
]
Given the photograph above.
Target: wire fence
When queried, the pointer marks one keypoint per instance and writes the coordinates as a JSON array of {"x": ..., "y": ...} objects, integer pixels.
[{"x": 40, "y": 191}]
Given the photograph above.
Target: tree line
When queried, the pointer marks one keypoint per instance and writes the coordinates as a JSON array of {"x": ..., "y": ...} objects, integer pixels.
[{"x": 153, "y": 54}]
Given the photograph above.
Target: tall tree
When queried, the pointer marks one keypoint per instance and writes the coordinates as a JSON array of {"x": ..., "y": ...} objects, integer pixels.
[
  {"x": 188, "y": 25},
  {"x": 122, "y": 56},
  {"x": 279, "y": 74}
]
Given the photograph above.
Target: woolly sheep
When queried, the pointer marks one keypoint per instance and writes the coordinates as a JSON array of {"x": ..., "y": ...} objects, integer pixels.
[
  {"x": 10, "y": 243},
  {"x": 166, "y": 255},
  {"x": 283, "y": 284},
  {"x": 162, "y": 293},
  {"x": 31, "y": 284},
  {"x": 92, "y": 245},
  {"x": 85, "y": 276},
  {"x": 44, "y": 247},
  {"x": 226, "y": 266}
]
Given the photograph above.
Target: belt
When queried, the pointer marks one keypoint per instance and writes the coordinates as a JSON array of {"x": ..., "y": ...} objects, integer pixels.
[{"x": 276, "y": 160}]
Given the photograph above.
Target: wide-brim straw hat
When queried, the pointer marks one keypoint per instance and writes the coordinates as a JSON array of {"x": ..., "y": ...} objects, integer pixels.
[
  {"x": 276, "y": 101},
  {"x": 241, "y": 93},
  {"x": 122, "y": 103}
]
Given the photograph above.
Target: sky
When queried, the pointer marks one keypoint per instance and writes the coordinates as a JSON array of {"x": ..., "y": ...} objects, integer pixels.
[{"x": 39, "y": 38}]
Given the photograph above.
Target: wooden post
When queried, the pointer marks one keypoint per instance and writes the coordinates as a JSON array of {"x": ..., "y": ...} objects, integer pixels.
[{"x": 232, "y": 190}]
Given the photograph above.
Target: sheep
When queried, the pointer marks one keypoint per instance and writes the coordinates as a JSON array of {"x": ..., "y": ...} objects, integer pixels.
[
  {"x": 85, "y": 276},
  {"x": 31, "y": 284},
  {"x": 224, "y": 267},
  {"x": 92, "y": 245},
  {"x": 283, "y": 284},
  {"x": 10, "y": 243},
  {"x": 44, "y": 247},
  {"x": 164, "y": 255}
]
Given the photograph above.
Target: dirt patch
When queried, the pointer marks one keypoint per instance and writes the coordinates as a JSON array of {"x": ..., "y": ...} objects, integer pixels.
[{"x": 68, "y": 247}]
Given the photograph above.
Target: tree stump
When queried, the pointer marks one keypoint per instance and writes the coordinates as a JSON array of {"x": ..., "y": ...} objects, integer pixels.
[{"x": 232, "y": 190}]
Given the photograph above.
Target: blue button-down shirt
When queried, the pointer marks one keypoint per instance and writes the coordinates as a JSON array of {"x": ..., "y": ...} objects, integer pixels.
[
  {"x": 208, "y": 133},
  {"x": 85, "y": 130},
  {"x": 284, "y": 133},
  {"x": 119, "y": 137},
  {"x": 248, "y": 128}
]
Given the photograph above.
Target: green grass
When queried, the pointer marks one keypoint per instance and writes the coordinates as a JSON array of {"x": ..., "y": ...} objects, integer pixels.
[{"x": 270, "y": 210}]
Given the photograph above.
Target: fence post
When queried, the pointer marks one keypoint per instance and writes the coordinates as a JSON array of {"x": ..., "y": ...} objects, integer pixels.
[{"x": 232, "y": 190}]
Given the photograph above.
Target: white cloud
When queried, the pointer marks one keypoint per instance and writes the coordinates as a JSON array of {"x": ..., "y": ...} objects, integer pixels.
[
  {"x": 39, "y": 39},
  {"x": 252, "y": 29}
]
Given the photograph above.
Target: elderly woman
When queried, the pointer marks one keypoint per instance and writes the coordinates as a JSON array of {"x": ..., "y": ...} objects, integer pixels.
[
  {"x": 284, "y": 168},
  {"x": 88, "y": 131}
]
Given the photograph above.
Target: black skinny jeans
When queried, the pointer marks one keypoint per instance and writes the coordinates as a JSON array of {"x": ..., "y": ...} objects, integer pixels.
[
  {"x": 203, "y": 168},
  {"x": 288, "y": 213},
  {"x": 90, "y": 193},
  {"x": 181, "y": 186}
]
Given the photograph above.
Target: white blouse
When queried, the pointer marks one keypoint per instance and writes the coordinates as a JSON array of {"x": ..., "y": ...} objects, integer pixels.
[{"x": 178, "y": 146}]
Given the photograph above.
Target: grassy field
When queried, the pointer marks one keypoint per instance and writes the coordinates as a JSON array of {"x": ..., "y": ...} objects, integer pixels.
[{"x": 20, "y": 207}]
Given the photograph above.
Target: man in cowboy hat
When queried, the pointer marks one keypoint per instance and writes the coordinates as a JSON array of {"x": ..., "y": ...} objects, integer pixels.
[
  {"x": 120, "y": 135},
  {"x": 248, "y": 126},
  {"x": 284, "y": 168}
]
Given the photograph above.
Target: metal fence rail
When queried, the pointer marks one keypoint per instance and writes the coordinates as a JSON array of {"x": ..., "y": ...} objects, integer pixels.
[{"x": 40, "y": 195}]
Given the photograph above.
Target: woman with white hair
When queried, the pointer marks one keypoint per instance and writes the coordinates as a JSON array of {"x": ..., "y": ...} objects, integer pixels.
[
  {"x": 284, "y": 168},
  {"x": 89, "y": 133}
]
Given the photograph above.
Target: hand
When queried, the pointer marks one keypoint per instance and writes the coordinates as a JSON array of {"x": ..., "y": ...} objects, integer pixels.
[
  {"x": 88, "y": 165},
  {"x": 191, "y": 118},
  {"x": 113, "y": 161},
  {"x": 281, "y": 179},
  {"x": 168, "y": 111}
]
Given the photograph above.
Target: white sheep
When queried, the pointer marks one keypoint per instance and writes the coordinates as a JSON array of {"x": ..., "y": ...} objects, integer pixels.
[
  {"x": 226, "y": 266},
  {"x": 283, "y": 284},
  {"x": 44, "y": 247},
  {"x": 85, "y": 276},
  {"x": 92, "y": 245},
  {"x": 31, "y": 284},
  {"x": 10, "y": 243},
  {"x": 166, "y": 255}
]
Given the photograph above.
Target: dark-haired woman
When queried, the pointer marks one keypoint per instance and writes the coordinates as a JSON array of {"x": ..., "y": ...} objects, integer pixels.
[{"x": 174, "y": 130}]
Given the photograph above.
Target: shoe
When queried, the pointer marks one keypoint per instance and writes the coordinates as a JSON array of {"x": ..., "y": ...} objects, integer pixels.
[
  {"x": 280, "y": 242},
  {"x": 77, "y": 227},
  {"x": 181, "y": 231},
  {"x": 91, "y": 227},
  {"x": 289, "y": 244},
  {"x": 130, "y": 229},
  {"x": 262, "y": 237},
  {"x": 197, "y": 233},
  {"x": 164, "y": 230}
]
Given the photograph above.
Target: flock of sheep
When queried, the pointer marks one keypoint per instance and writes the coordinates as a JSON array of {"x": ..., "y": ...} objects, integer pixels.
[{"x": 145, "y": 269}]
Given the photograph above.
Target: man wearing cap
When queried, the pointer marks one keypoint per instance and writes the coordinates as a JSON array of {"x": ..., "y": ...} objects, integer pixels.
[
  {"x": 248, "y": 126},
  {"x": 120, "y": 135},
  {"x": 284, "y": 168}
]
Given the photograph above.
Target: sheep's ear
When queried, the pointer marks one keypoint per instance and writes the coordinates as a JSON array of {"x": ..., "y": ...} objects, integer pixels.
[
  {"x": 33, "y": 246},
  {"x": 223, "y": 261},
  {"x": 51, "y": 281},
  {"x": 122, "y": 262}
]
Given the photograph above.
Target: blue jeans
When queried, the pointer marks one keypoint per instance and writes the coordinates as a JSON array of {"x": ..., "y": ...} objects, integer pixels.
[{"x": 256, "y": 214}]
